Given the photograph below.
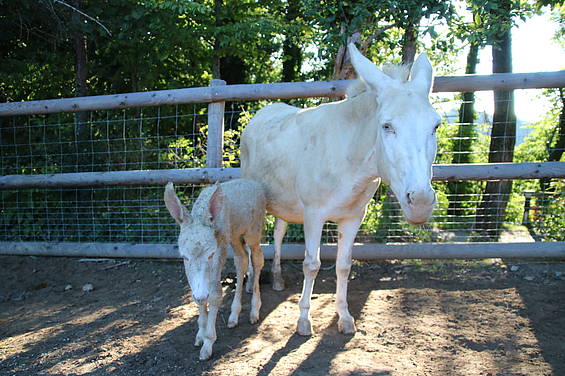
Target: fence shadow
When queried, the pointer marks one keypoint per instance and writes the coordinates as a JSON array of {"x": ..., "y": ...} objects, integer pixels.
[{"x": 544, "y": 306}]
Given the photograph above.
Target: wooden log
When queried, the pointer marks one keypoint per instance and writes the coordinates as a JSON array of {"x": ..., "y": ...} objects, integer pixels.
[
  {"x": 119, "y": 178},
  {"x": 499, "y": 81},
  {"x": 215, "y": 145},
  {"x": 479, "y": 171},
  {"x": 285, "y": 90},
  {"x": 176, "y": 96},
  {"x": 499, "y": 171},
  {"x": 366, "y": 251}
]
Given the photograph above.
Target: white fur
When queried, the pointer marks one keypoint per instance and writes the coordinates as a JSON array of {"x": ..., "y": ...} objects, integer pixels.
[
  {"x": 232, "y": 212},
  {"x": 326, "y": 162}
]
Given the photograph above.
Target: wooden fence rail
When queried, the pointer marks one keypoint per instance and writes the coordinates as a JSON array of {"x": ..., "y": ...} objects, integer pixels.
[
  {"x": 292, "y": 251},
  {"x": 475, "y": 171},
  {"x": 215, "y": 93}
]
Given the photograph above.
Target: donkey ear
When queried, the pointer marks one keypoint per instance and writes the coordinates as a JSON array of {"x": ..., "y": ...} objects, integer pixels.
[
  {"x": 367, "y": 71},
  {"x": 178, "y": 211},
  {"x": 216, "y": 203},
  {"x": 421, "y": 74}
]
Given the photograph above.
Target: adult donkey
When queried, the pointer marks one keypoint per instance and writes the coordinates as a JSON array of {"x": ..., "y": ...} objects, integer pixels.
[{"x": 325, "y": 163}]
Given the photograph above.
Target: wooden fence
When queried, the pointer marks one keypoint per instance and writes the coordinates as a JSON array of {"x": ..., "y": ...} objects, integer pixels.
[{"x": 216, "y": 95}]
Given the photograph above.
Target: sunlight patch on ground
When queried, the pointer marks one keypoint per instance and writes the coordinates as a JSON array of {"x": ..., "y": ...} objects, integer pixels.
[
  {"x": 275, "y": 348},
  {"x": 455, "y": 340}
]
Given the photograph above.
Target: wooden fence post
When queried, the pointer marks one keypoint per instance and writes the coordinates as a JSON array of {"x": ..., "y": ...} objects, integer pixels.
[{"x": 215, "y": 148}]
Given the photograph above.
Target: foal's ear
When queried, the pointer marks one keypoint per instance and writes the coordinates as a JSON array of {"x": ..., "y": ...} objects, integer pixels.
[
  {"x": 216, "y": 203},
  {"x": 421, "y": 74},
  {"x": 177, "y": 210},
  {"x": 367, "y": 71}
]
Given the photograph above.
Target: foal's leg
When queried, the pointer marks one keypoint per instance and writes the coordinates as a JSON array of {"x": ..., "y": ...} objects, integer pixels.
[
  {"x": 249, "y": 272},
  {"x": 347, "y": 230},
  {"x": 202, "y": 316},
  {"x": 202, "y": 320},
  {"x": 214, "y": 301},
  {"x": 258, "y": 261},
  {"x": 240, "y": 259},
  {"x": 312, "y": 233},
  {"x": 280, "y": 229}
]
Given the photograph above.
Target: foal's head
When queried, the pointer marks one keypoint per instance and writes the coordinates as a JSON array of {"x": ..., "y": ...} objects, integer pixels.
[{"x": 200, "y": 239}]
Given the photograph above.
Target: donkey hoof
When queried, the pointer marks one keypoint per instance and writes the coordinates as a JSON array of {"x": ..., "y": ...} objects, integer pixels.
[
  {"x": 304, "y": 327},
  {"x": 232, "y": 323},
  {"x": 278, "y": 285},
  {"x": 346, "y": 326},
  {"x": 249, "y": 288},
  {"x": 254, "y": 319},
  {"x": 199, "y": 341},
  {"x": 206, "y": 352}
]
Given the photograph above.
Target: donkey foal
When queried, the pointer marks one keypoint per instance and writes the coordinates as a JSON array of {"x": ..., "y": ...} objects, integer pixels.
[{"x": 231, "y": 212}]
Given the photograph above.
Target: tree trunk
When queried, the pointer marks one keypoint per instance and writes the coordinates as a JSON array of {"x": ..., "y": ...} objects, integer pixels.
[
  {"x": 81, "y": 67},
  {"x": 409, "y": 44},
  {"x": 292, "y": 61},
  {"x": 492, "y": 209},
  {"x": 82, "y": 152},
  {"x": 292, "y": 53},
  {"x": 459, "y": 190},
  {"x": 343, "y": 70},
  {"x": 216, "y": 72},
  {"x": 233, "y": 69}
]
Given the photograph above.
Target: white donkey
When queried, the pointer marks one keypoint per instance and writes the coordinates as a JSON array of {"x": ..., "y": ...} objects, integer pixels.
[
  {"x": 231, "y": 212},
  {"x": 325, "y": 163}
]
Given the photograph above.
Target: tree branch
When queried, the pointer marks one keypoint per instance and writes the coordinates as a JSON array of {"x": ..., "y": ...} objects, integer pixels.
[
  {"x": 342, "y": 65},
  {"x": 84, "y": 15}
]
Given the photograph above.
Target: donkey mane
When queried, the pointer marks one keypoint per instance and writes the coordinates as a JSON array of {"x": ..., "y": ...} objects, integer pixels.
[{"x": 399, "y": 72}]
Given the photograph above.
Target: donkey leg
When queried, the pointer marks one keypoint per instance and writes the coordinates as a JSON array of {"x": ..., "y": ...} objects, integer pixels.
[
  {"x": 258, "y": 262},
  {"x": 250, "y": 277},
  {"x": 202, "y": 320},
  {"x": 202, "y": 316},
  {"x": 310, "y": 267},
  {"x": 280, "y": 230},
  {"x": 240, "y": 261},
  {"x": 347, "y": 230},
  {"x": 214, "y": 302}
]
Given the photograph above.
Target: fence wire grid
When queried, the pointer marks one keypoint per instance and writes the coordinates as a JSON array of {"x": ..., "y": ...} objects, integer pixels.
[{"x": 175, "y": 137}]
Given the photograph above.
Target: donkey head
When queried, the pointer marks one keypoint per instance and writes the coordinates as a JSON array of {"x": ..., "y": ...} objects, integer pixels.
[
  {"x": 198, "y": 240},
  {"x": 406, "y": 132}
]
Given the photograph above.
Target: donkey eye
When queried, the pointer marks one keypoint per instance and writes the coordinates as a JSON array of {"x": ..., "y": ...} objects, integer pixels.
[{"x": 387, "y": 127}]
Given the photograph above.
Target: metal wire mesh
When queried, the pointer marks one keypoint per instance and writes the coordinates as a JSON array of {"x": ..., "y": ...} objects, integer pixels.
[
  {"x": 132, "y": 139},
  {"x": 175, "y": 137}
]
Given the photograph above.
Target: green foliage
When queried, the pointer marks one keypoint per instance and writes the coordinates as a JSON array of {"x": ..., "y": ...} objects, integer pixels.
[
  {"x": 164, "y": 44},
  {"x": 182, "y": 153},
  {"x": 490, "y": 19},
  {"x": 333, "y": 22},
  {"x": 547, "y": 215},
  {"x": 544, "y": 135}
]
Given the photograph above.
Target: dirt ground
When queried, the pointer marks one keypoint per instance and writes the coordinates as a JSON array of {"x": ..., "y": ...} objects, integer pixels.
[{"x": 493, "y": 317}]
